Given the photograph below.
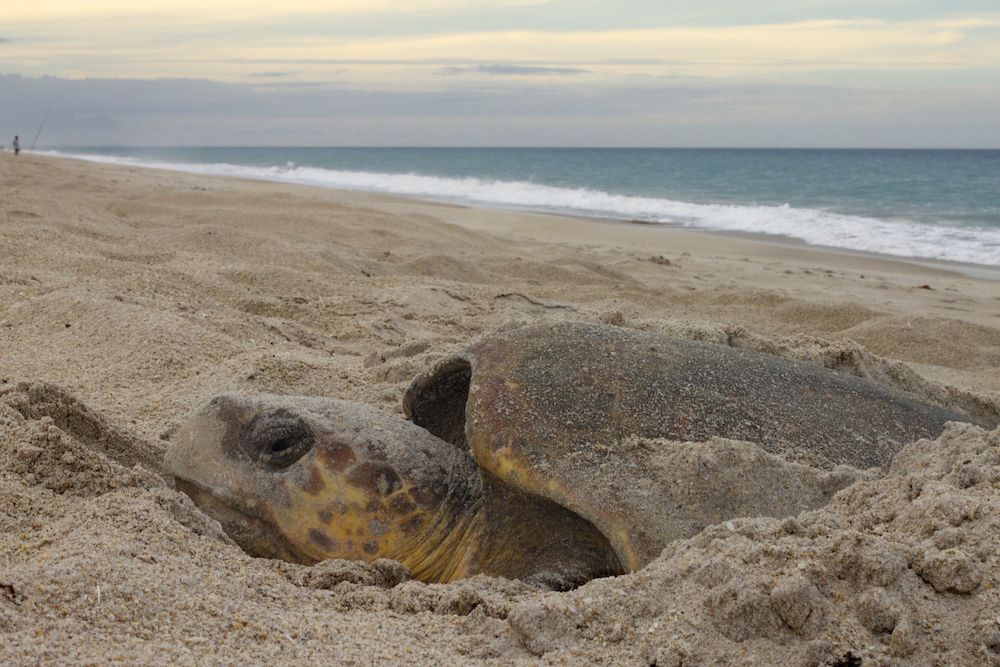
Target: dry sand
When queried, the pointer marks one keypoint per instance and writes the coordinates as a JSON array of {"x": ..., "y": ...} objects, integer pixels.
[{"x": 129, "y": 297}]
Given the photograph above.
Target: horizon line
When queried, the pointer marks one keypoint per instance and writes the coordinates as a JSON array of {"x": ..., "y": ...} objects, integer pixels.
[{"x": 527, "y": 147}]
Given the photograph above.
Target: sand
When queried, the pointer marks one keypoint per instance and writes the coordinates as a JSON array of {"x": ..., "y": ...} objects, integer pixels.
[{"x": 129, "y": 297}]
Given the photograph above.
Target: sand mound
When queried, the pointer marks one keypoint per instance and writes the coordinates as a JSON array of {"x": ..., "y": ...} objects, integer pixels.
[{"x": 899, "y": 570}]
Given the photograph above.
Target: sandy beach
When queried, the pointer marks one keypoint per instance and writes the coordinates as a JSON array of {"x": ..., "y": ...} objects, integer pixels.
[{"x": 130, "y": 297}]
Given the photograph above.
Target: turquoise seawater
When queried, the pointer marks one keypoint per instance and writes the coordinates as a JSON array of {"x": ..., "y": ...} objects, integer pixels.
[{"x": 913, "y": 203}]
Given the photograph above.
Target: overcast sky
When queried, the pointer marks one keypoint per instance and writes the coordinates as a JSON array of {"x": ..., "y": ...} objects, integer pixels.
[{"x": 890, "y": 73}]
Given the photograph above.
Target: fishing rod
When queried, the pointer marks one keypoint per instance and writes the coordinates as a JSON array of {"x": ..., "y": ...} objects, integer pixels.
[{"x": 44, "y": 118}]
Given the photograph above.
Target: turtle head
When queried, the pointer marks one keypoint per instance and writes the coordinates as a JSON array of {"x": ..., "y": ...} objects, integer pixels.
[{"x": 306, "y": 479}]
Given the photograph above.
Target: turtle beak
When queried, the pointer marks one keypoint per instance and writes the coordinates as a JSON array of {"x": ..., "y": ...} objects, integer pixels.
[
  {"x": 196, "y": 447},
  {"x": 200, "y": 456}
]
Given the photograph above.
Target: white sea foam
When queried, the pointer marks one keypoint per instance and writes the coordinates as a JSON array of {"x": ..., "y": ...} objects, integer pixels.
[{"x": 893, "y": 237}]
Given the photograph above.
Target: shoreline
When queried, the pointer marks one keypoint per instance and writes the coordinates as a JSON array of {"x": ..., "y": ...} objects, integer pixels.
[{"x": 980, "y": 271}]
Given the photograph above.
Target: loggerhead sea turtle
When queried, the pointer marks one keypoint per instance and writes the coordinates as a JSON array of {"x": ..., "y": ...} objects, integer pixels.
[{"x": 515, "y": 462}]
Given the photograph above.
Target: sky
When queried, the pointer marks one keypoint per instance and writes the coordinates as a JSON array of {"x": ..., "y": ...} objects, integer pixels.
[{"x": 782, "y": 73}]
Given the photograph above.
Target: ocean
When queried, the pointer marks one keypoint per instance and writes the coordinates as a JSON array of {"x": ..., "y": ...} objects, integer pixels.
[{"x": 935, "y": 204}]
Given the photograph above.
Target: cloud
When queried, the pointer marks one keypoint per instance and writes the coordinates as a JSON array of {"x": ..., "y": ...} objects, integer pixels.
[
  {"x": 4, "y": 40},
  {"x": 237, "y": 50},
  {"x": 876, "y": 43},
  {"x": 270, "y": 75},
  {"x": 507, "y": 111},
  {"x": 513, "y": 70},
  {"x": 233, "y": 9}
]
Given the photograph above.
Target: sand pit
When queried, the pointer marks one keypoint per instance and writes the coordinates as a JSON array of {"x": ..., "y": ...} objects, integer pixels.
[{"x": 130, "y": 297}]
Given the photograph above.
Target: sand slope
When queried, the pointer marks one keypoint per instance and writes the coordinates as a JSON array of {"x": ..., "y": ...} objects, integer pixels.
[{"x": 129, "y": 297}]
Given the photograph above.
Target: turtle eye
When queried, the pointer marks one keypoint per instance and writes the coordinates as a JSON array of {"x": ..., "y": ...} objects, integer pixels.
[
  {"x": 285, "y": 451},
  {"x": 278, "y": 440}
]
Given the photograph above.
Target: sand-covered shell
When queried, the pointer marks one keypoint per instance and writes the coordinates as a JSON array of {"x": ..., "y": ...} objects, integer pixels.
[{"x": 550, "y": 410}]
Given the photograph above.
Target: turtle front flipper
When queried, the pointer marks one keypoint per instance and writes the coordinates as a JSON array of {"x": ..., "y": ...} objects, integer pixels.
[
  {"x": 436, "y": 399},
  {"x": 525, "y": 534}
]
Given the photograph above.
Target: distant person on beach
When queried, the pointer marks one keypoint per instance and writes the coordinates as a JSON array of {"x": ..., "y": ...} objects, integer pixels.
[{"x": 17, "y": 145}]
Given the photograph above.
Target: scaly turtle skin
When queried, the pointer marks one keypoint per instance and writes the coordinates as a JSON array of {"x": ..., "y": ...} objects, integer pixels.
[
  {"x": 517, "y": 462},
  {"x": 305, "y": 479}
]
